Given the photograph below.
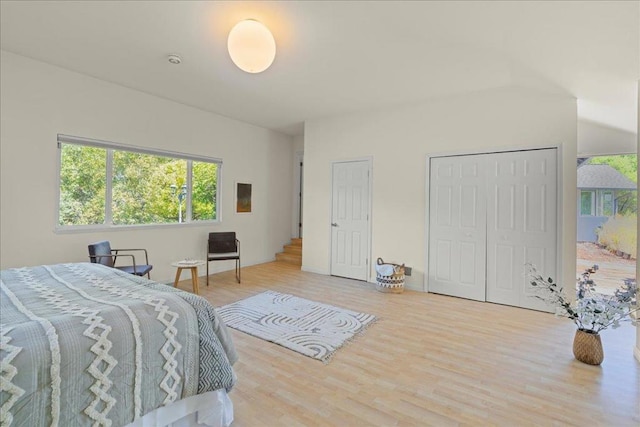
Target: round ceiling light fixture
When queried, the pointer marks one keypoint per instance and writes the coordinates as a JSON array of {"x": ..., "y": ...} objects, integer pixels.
[{"x": 251, "y": 46}]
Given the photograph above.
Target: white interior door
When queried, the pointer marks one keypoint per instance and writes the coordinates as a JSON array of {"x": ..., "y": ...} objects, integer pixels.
[
  {"x": 350, "y": 220},
  {"x": 521, "y": 224},
  {"x": 457, "y": 226}
]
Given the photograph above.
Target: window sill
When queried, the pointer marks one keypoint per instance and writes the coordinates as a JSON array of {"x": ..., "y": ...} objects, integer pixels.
[{"x": 109, "y": 228}]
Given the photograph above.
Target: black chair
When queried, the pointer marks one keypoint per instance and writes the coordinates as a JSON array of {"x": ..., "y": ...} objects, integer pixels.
[
  {"x": 223, "y": 246},
  {"x": 101, "y": 253}
]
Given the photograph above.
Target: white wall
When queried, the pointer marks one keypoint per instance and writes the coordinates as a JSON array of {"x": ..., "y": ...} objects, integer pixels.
[
  {"x": 38, "y": 101},
  {"x": 597, "y": 139},
  {"x": 298, "y": 143},
  {"x": 399, "y": 140}
]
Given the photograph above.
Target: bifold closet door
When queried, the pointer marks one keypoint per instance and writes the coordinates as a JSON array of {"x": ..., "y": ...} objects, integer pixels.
[
  {"x": 457, "y": 226},
  {"x": 521, "y": 223},
  {"x": 489, "y": 214}
]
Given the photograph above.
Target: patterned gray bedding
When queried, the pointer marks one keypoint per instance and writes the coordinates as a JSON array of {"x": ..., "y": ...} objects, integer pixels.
[{"x": 84, "y": 344}]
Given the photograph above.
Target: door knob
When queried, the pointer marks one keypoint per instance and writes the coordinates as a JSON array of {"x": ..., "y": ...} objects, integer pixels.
[{"x": 334, "y": 224}]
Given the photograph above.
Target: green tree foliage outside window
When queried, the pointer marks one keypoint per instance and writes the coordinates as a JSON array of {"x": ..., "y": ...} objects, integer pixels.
[
  {"x": 142, "y": 188},
  {"x": 83, "y": 177},
  {"x": 626, "y": 164},
  {"x": 145, "y": 188},
  {"x": 204, "y": 191}
]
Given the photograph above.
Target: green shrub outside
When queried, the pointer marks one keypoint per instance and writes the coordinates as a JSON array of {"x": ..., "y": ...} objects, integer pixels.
[{"x": 620, "y": 233}]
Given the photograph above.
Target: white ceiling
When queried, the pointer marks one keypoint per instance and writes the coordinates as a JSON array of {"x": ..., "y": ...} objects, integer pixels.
[{"x": 340, "y": 57}]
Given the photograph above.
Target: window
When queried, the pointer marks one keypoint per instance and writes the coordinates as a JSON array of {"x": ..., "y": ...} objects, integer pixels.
[
  {"x": 105, "y": 184},
  {"x": 587, "y": 203},
  {"x": 606, "y": 203}
]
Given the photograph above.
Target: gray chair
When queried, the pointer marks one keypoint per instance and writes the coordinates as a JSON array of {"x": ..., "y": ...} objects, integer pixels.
[
  {"x": 223, "y": 246},
  {"x": 102, "y": 253}
]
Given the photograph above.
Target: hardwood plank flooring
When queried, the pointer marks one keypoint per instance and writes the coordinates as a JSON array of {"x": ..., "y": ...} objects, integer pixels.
[{"x": 429, "y": 360}]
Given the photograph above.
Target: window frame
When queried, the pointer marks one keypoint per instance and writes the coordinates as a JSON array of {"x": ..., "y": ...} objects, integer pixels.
[{"x": 108, "y": 218}]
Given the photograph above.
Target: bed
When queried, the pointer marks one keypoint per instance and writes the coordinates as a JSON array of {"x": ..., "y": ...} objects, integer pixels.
[{"x": 84, "y": 344}]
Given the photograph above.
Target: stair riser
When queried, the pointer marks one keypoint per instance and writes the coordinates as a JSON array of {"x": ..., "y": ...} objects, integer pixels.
[
  {"x": 289, "y": 258},
  {"x": 294, "y": 250}
]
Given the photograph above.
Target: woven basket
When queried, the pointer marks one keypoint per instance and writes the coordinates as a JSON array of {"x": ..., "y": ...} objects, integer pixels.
[
  {"x": 587, "y": 347},
  {"x": 392, "y": 284}
]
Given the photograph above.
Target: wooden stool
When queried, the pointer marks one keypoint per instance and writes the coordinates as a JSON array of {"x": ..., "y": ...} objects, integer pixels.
[{"x": 191, "y": 265}]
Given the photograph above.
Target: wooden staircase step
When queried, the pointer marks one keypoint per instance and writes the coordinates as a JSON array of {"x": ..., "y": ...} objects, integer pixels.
[
  {"x": 292, "y": 253},
  {"x": 293, "y": 249},
  {"x": 289, "y": 258}
]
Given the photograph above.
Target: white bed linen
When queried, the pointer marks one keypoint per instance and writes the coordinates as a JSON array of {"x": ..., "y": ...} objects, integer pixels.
[{"x": 212, "y": 409}]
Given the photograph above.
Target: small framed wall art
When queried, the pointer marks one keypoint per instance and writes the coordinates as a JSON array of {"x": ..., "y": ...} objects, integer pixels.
[{"x": 243, "y": 197}]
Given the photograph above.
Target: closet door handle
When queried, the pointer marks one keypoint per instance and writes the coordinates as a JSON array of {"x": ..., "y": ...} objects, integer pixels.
[{"x": 334, "y": 224}]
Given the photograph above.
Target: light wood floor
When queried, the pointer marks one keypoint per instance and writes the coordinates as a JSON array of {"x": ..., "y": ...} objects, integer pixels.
[{"x": 429, "y": 360}]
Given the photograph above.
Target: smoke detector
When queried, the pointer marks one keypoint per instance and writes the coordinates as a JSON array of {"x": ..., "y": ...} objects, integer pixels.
[{"x": 174, "y": 59}]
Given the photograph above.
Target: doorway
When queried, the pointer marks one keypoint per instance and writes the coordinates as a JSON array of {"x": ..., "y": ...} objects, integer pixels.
[
  {"x": 350, "y": 212},
  {"x": 299, "y": 185},
  {"x": 607, "y": 223}
]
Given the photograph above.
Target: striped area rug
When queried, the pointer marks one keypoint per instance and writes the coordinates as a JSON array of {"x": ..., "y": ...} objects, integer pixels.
[{"x": 311, "y": 328}]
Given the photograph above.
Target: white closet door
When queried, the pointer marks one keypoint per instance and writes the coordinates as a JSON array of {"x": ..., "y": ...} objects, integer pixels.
[
  {"x": 457, "y": 226},
  {"x": 521, "y": 223}
]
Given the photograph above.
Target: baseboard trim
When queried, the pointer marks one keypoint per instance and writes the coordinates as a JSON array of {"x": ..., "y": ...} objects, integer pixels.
[
  {"x": 264, "y": 261},
  {"x": 414, "y": 287},
  {"x": 202, "y": 270},
  {"x": 314, "y": 270}
]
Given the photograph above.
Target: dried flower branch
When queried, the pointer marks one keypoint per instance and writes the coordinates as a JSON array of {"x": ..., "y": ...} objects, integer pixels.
[{"x": 592, "y": 312}]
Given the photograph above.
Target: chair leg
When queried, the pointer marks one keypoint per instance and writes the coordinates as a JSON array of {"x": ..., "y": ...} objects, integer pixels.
[
  {"x": 238, "y": 270},
  {"x": 207, "y": 273}
]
